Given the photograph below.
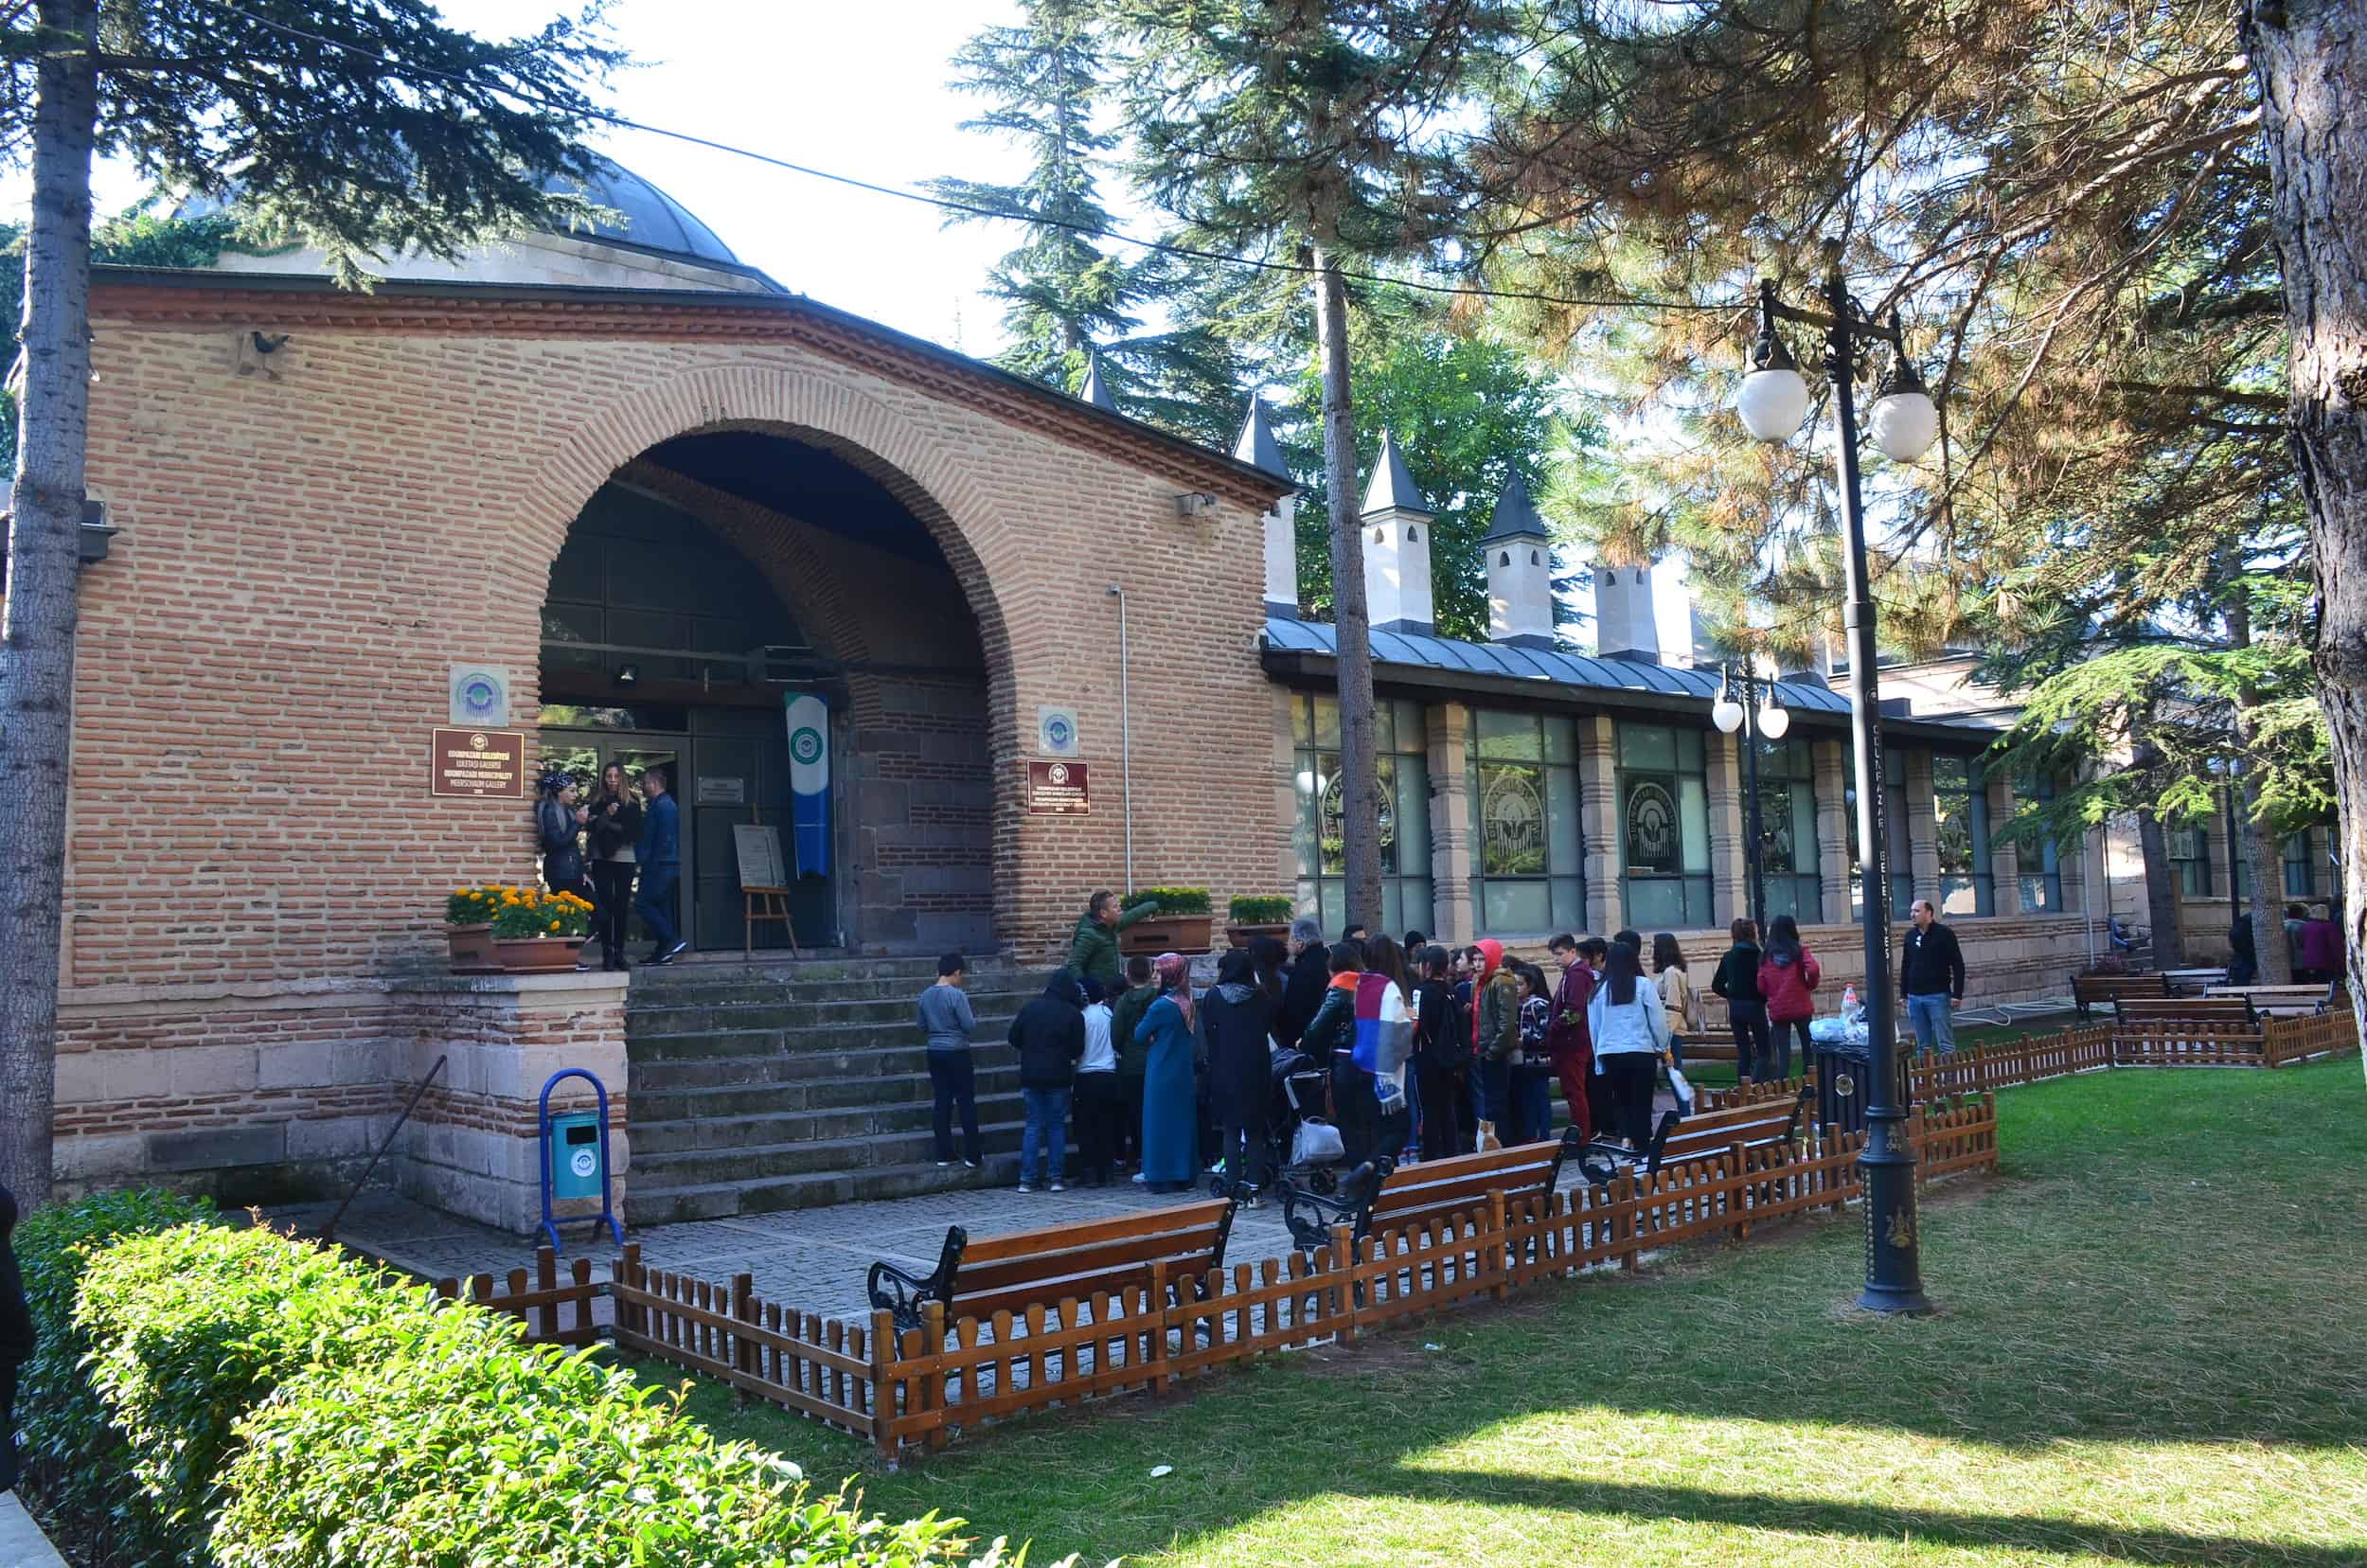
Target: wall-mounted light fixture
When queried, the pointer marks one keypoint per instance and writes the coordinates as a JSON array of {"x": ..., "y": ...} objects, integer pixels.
[
  {"x": 1193, "y": 503},
  {"x": 628, "y": 675}
]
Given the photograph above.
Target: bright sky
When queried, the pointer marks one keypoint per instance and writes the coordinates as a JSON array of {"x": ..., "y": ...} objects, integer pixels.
[{"x": 858, "y": 89}]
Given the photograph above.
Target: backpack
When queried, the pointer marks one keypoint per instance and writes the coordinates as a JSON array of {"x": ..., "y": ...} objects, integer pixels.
[{"x": 1537, "y": 1017}]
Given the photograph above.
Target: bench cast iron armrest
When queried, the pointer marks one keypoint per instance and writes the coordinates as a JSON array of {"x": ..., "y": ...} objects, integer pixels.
[
  {"x": 902, "y": 1293},
  {"x": 1310, "y": 1215}
]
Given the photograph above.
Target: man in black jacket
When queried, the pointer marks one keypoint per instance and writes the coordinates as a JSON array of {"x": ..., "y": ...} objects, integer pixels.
[
  {"x": 1302, "y": 992},
  {"x": 1931, "y": 978},
  {"x": 1049, "y": 1034}
]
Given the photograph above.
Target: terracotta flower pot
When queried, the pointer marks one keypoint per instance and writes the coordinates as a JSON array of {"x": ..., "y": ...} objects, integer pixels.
[
  {"x": 1241, "y": 936},
  {"x": 1159, "y": 933},
  {"x": 537, "y": 954},
  {"x": 472, "y": 948}
]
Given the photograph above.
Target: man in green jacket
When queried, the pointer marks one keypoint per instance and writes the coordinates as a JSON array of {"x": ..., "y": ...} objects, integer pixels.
[{"x": 1095, "y": 950}]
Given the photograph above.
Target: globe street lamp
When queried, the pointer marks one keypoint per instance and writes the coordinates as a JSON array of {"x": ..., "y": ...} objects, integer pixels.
[
  {"x": 1758, "y": 710},
  {"x": 1903, "y": 422}
]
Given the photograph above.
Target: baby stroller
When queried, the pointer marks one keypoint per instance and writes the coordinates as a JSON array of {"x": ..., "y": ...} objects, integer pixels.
[{"x": 1302, "y": 1146}]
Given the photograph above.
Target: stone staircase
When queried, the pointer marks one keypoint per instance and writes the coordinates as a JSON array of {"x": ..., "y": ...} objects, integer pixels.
[{"x": 793, "y": 1085}]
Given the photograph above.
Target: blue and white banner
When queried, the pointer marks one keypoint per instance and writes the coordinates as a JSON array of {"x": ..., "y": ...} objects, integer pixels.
[{"x": 809, "y": 783}]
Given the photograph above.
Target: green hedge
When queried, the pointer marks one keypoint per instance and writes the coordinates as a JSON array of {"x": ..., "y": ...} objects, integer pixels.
[
  {"x": 76, "y": 1466},
  {"x": 245, "y": 1399},
  {"x": 1274, "y": 909}
]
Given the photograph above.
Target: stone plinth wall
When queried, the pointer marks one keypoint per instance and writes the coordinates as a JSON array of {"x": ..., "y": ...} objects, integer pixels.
[{"x": 263, "y": 1092}]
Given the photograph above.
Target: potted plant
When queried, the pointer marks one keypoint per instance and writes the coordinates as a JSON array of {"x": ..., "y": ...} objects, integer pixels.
[
  {"x": 1181, "y": 924},
  {"x": 469, "y": 926},
  {"x": 531, "y": 932},
  {"x": 1253, "y": 917}
]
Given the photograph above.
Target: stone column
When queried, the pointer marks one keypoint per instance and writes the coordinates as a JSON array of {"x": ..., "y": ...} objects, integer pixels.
[
  {"x": 1832, "y": 827},
  {"x": 1922, "y": 858},
  {"x": 1448, "y": 728},
  {"x": 1598, "y": 817},
  {"x": 1730, "y": 865},
  {"x": 2004, "y": 858}
]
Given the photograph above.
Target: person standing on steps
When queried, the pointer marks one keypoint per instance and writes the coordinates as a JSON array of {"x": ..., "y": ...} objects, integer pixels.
[
  {"x": 1126, "y": 1011},
  {"x": 615, "y": 830},
  {"x": 1170, "y": 1133},
  {"x": 1049, "y": 1035},
  {"x": 1093, "y": 952},
  {"x": 1788, "y": 978},
  {"x": 659, "y": 855},
  {"x": 946, "y": 1024},
  {"x": 1629, "y": 1027},
  {"x": 557, "y": 821},
  {"x": 1099, "y": 1114},
  {"x": 1572, "y": 1047},
  {"x": 1931, "y": 978}
]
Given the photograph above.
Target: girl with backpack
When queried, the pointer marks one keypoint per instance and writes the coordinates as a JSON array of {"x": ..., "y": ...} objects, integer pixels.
[
  {"x": 1533, "y": 1074},
  {"x": 1788, "y": 978}
]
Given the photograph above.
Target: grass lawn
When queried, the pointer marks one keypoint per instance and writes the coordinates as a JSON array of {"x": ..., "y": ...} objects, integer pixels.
[{"x": 2149, "y": 1351}]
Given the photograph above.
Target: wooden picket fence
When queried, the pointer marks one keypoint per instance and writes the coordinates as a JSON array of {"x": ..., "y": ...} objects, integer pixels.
[
  {"x": 919, "y": 1386},
  {"x": 555, "y": 1313}
]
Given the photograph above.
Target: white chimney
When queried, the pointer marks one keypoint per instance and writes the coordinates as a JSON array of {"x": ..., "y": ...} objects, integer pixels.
[
  {"x": 1397, "y": 548},
  {"x": 1520, "y": 572},
  {"x": 1626, "y": 626},
  {"x": 1258, "y": 449}
]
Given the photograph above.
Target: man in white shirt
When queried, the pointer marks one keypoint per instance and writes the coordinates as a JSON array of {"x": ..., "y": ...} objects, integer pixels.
[{"x": 1098, "y": 1106}]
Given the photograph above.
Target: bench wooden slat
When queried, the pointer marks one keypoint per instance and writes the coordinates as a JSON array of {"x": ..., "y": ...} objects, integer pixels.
[
  {"x": 1181, "y": 1217},
  {"x": 2184, "y": 1009},
  {"x": 1078, "y": 1261},
  {"x": 1050, "y": 1292}
]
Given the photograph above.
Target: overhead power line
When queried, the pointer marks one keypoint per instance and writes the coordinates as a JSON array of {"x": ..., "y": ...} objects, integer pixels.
[{"x": 979, "y": 210}]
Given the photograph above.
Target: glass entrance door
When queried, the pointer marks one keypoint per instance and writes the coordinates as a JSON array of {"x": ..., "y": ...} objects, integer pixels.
[{"x": 586, "y": 753}]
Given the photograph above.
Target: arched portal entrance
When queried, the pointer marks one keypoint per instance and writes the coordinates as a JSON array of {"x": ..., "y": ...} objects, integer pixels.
[{"x": 711, "y": 582}]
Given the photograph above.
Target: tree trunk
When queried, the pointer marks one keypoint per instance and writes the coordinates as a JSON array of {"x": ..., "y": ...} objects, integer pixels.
[
  {"x": 2310, "y": 60},
  {"x": 1360, "y": 765},
  {"x": 2153, "y": 842},
  {"x": 2259, "y": 849},
  {"x": 37, "y": 636}
]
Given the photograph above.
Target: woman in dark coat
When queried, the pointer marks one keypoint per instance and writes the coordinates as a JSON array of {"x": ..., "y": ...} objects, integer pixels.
[
  {"x": 1234, "y": 1018},
  {"x": 557, "y": 821}
]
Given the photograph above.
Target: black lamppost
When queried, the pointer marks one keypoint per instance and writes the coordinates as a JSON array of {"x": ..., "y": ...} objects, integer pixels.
[
  {"x": 1773, "y": 401},
  {"x": 1750, "y": 704}
]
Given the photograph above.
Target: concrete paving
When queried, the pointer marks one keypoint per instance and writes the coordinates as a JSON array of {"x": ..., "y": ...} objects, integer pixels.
[{"x": 22, "y": 1544}]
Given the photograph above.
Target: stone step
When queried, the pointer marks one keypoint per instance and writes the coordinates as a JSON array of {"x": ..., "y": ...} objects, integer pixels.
[
  {"x": 992, "y": 1035},
  {"x": 743, "y": 988},
  {"x": 779, "y": 1126},
  {"x": 726, "y": 968},
  {"x": 760, "y": 1095},
  {"x": 814, "y": 1189},
  {"x": 654, "y": 1021},
  {"x": 754, "y": 1163}
]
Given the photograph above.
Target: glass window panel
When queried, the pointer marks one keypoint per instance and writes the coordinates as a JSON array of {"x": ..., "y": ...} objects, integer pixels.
[
  {"x": 1391, "y": 908},
  {"x": 1894, "y": 766},
  {"x": 1642, "y": 746},
  {"x": 1412, "y": 815},
  {"x": 1304, "y": 837},
  {"x": 1415, "y": 892},
  {"x": 1561, "y": 820},
  {"x": 582, "y": 623},
  {"x": 1805, "y": 850},
  {"x": 1385, "y": 727},
  {"x": 1516, "y": 906},
  {"x": 1655, "y": 901},
  {"x": 1302, "y": 722},
  {"x": 1307, "y": 899},
  {"x": 1562, "y": 740},
  {"x": 1568, "y": 903},
  {"x": 1386, "y": 776},
  {"x": 1651, "y": 824},
  {"x": 1512, "y": 819},
  {"x": 1508, "y": 737},
  {"x": 1950, "y": 772},
  {"x": 1694, "y": 798},
  {"x": 1957, "y": 896},
  {"x": 1690, "y": 756},
  {"x": 1411, "y": 732},
  {"x": 1328, "y": 721}
]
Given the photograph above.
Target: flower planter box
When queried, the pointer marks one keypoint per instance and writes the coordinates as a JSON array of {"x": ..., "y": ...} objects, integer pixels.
[
  {"x": 1241, "y": 936},
  {"x": 537, "y": 954},
  {"x": 1157, "y": 933},
  {"x": 472, "y": 948}
]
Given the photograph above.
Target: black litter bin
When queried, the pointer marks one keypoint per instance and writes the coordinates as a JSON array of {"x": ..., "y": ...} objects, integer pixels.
[{"x": 1844, "y": 1077}]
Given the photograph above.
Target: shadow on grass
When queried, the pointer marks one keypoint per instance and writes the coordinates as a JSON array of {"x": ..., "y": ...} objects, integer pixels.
[{"x": 1864, "y": 1521}]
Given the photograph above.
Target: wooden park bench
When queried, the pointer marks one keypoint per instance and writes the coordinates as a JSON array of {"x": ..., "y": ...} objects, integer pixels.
[
  {"x": 2285, "y": 1001},
  {"x": 2194, "y": 982},
  {"x": 2232, "y": 1012},
  {"x": 2089, "y": 990},
  {"x": 1087, "y": 1257},
  {"x": 1372, "y": 1201}
]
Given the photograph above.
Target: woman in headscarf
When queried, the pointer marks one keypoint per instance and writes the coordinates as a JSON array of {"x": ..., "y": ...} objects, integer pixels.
[
  {"x": 1170, "y": 1129},
  {"x": 1237, "y": 1015}
]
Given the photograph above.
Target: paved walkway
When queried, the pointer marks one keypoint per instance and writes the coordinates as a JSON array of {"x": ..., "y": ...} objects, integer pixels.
[
  {"x": 22, "y": 1544},
  {"x": 812, "y": 1259}
]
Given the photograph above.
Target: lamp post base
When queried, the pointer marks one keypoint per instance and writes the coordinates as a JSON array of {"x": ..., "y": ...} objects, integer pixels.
[{"x": 1890, "y": 1303}]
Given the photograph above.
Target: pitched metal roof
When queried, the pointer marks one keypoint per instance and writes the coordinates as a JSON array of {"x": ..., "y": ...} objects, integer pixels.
[
  {"x": 1257, "y": 446},
  {"x": 1392, "y": 487},
  {"x": 1515, "y": 516},
  {"x": 1633, "y": 681}
]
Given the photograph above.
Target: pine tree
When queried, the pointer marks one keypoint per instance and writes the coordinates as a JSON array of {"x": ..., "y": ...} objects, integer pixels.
[
  {"x": 1072, "y": 298},
  {"x": 357, "y": 126},
  {"x": 1328, "y": 130}
]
